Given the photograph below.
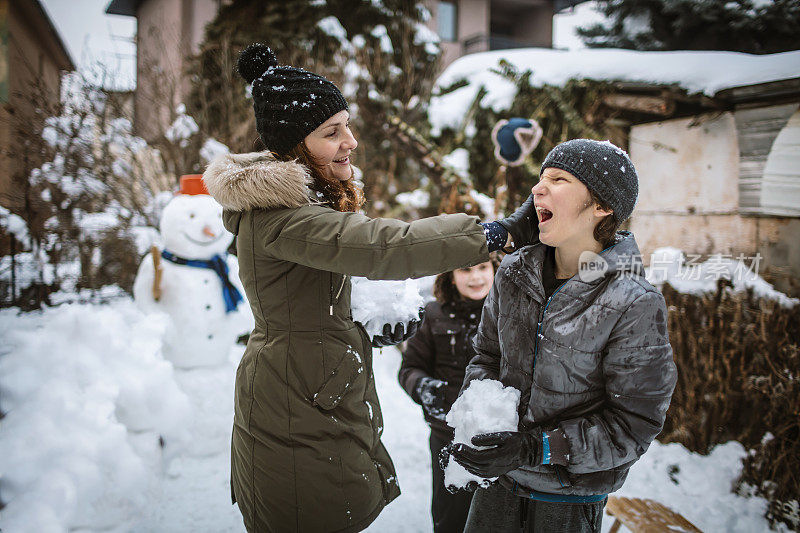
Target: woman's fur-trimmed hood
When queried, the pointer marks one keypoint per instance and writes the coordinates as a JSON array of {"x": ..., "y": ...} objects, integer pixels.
[{"x": 257, "y": 180}]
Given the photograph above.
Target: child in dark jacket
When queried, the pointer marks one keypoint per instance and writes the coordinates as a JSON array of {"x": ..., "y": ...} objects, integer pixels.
[{"x": 433, "y": 369}]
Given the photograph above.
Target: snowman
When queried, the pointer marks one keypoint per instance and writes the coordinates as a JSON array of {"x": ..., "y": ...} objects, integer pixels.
[{"x": 194, "y": 280}]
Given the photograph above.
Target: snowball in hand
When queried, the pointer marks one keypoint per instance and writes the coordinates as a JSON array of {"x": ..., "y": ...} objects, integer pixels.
[
  {"x": 375, "y": 303},
  {"x": 485, "y": 406}
]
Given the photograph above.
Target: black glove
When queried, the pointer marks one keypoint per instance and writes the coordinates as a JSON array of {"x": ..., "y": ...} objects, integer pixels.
[
  {"x": 471, "y": 486},
  {"x": 444, "y": 458},
  {"x": 522, "y": 224},
  {"x": 401, "y": 332},
  {"x": 430, "y": 392},
  {"x": 511, "y": 449}
]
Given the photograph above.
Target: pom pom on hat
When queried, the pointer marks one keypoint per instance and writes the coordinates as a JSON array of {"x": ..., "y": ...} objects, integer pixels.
[
  {"x": 288, "y": 102},
  {"x": 255, "y": 60}
]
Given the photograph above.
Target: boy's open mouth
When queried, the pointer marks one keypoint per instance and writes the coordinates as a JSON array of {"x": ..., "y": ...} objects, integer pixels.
[{"x": 544, "y": 214}]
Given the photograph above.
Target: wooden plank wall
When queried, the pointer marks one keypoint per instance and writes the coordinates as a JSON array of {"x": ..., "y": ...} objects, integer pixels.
[{"x": 757, "y": 129}]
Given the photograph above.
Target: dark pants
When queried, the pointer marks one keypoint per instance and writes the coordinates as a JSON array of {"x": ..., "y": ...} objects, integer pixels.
[
  {"x": 449, "y": 511},
  {"x": 496, "y": 510}
]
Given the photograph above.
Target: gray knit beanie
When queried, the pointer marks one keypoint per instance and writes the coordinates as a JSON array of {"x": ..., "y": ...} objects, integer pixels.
[
  {"x": 604, "y": 168},
  {"x": 289, "y": 102}
]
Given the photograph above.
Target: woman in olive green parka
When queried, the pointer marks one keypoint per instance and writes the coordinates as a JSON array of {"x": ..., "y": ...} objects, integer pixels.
[{"x": 306, "y": 449}]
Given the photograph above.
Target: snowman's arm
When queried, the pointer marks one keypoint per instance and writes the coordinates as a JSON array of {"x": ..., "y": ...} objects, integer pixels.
[{"x": 157, "y": 272}]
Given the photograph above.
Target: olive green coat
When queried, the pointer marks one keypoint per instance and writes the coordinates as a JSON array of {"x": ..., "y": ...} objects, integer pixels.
[{"x": 306, "y": 449}]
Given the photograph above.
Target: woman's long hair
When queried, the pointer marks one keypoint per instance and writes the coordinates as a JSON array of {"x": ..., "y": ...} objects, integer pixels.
[{"x": 342, "y": 195}]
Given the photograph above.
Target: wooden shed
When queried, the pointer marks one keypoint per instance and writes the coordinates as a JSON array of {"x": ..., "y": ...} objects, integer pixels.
[{"x": 721, "y": 174}]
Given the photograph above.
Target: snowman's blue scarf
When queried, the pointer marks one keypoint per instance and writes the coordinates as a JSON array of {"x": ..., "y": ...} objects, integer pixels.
[{"x": 217, "y": 263}]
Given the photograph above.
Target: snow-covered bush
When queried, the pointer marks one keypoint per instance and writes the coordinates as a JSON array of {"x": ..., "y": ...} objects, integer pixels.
[
  {"x": 737, "y": 354},
  {"x": 91, "y": 192},
  {"x": 96, "y": 200}
]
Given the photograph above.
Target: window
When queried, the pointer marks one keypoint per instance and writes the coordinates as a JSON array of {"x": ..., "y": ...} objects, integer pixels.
[{"x": 446, "y": 18}]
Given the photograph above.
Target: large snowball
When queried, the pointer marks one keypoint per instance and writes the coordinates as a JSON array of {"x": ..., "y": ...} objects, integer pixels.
[
  {"x": 375, "y": 303},
  {"x": 485, "y": 406}
]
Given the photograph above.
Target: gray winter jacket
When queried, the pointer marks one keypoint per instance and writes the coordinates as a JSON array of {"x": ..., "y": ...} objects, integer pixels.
[{"x": 593, "y": 361}]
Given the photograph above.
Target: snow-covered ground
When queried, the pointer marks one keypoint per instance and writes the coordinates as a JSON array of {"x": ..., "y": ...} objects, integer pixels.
[{"x": 86, "y": 394}]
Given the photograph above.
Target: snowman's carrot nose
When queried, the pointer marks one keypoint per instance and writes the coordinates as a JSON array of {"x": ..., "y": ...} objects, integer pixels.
[{"x": 207, "y": 231}]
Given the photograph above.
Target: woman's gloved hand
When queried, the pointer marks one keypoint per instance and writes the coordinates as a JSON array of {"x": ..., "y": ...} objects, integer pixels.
[
  {"x": 430, "y": 392},
  {"x": 400, "y": 333},
  {"x": 522, "y": 224}
]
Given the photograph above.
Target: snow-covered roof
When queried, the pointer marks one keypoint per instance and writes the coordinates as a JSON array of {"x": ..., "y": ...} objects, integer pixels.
[{"x": 707, "y": 72}]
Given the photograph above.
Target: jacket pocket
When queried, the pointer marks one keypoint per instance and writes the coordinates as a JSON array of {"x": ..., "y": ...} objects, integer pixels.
[
  {"x": 563, "y": 476},
  {"x": 448, "y": 342},
  {"x": 339, "y": 381}
]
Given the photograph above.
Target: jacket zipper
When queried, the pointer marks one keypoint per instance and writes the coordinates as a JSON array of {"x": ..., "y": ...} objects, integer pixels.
[
  {"x": 536, "y": 352},
  {"x": 335, "y": 299},
  {"x": 539, "y": 330},
  {"x": 541, "y": 316}
]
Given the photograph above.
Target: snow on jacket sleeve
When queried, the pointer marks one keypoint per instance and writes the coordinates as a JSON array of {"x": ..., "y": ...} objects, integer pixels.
[
  {"x": 418, "y": 359},
  {"x": 486, "y": 363},
  {"x": 379, "y": 248},
  {"x": 640, "y": 377}
]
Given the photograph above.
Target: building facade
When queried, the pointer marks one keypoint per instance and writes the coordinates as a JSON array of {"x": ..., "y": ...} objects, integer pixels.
[
  {"x": 726, "y": 182},
  {"x": 32, "y": 58},
  {"x": 469, "y": 26},
  {"x": 170, "y": 31}
]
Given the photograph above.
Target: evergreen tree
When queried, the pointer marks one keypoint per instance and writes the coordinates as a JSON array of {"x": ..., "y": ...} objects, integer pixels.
[
  {"x": 377, "y": 51},
  {"x": 753, "y": 26}
]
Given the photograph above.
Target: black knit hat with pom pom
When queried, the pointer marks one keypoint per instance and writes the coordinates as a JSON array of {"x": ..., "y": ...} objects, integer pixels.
[{"x": 289, "y": 102}]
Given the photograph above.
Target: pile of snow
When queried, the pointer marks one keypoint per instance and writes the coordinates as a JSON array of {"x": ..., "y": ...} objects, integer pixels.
[
  {"x": 46, "y": 438},
  {"x": 485, "y": 406},
  {"x": 95, "y": 224},
  {"x": 668, "y": 265},
  {"x": 384, "y": 41},
  {"x": 378, "y": 302},
  {"x": 699, "y": 487},
  {"x": 696, "y": 72},
  {"x": 92, "y": 416},
  {"x": 29, "y": 268}
]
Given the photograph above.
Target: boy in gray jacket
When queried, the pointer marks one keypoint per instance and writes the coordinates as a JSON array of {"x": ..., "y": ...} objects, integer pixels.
[{"x": 572, "y": 323}]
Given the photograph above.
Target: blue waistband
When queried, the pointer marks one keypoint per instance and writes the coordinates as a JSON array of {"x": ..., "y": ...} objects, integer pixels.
[{"x": 557, "y": 498}]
